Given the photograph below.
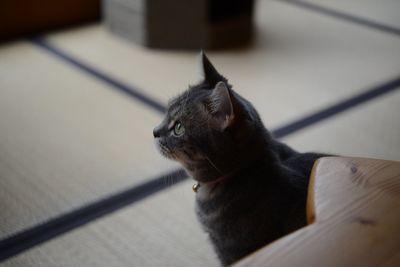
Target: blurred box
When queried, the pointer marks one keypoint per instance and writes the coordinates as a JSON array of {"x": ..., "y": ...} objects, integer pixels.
[{"x": 177, "y": 24}]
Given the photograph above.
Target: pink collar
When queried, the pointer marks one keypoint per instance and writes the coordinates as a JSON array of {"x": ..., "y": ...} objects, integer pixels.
[{"x": 221, "y": 179}]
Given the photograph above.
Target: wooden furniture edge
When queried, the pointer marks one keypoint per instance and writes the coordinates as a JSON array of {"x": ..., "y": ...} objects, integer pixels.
[{"x": 378, "y": 178}]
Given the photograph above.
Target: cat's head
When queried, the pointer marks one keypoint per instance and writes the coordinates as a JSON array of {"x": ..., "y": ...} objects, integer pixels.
[{"x": 208, "y": 128}]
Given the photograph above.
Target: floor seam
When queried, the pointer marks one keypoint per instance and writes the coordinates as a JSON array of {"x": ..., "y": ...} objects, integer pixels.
[
  {"x": 344, "y": 16},
  {"x": 43, "y": 232}
]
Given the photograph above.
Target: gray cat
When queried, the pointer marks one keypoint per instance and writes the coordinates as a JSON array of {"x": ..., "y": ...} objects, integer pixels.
[{"x": 251, "y": 189}]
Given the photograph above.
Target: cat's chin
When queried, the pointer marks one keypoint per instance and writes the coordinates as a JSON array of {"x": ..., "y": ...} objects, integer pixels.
[{"x": 164, "y": 150}]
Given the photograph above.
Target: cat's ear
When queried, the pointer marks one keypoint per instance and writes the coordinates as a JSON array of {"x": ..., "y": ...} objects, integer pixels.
[
  {"x": 221, "y": 107},
  {"x": 208, "y": 72}
]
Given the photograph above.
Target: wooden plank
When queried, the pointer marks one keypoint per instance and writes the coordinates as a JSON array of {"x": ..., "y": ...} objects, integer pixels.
[{"x": 354, "y": 213}]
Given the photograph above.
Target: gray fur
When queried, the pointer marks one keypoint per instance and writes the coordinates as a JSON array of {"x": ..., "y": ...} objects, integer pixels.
[{"x": 262, "y": 195}]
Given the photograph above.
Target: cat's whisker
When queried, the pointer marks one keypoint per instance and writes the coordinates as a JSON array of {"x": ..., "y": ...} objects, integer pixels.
[
  {"x": 214, "y": 166},
  {"x": 261, "y": 175},
  {"x": 171, "y": 181},
  {"x": 166, "y": 181}
]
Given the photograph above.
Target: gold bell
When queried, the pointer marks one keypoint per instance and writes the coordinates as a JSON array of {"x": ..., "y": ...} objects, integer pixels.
[{"x": 195, "y": 187}]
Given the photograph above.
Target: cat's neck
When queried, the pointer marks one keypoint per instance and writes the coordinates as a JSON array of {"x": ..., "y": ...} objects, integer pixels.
[
  {"x": 218, "y": 181},
  {"x": 209, "y": 181},
  {"x": 206, "y": 172},
  {"x": 210, "y": 170}
]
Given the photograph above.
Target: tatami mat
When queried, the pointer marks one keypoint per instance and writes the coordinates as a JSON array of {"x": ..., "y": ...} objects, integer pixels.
[
  {"x": 65, "y": 139},
  {"x": 160, "y": 231},
  {"x": 385, "y": 12},
  {"x": 68, "y": 139},
  {"x": 370, "y": 130},
  {"x": 300, "y": 62}
]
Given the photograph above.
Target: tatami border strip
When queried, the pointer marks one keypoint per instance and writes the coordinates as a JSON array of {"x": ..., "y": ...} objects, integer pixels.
[
  {"x": 344, "y": 16},
  {"x": 340, "y": 107},
  {"x": 38, "y": 234},
  {"x": 114, "y": 83}
]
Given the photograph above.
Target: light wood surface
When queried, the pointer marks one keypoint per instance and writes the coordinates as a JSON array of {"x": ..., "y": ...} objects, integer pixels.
[{"x": 354, "y": 215}]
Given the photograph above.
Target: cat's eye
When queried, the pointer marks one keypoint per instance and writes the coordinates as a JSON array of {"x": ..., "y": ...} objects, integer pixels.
[{"x": 178, "y": 129}]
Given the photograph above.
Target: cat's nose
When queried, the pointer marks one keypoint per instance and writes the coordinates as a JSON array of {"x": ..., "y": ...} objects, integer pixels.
[{"x": 156, "y": 132}]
